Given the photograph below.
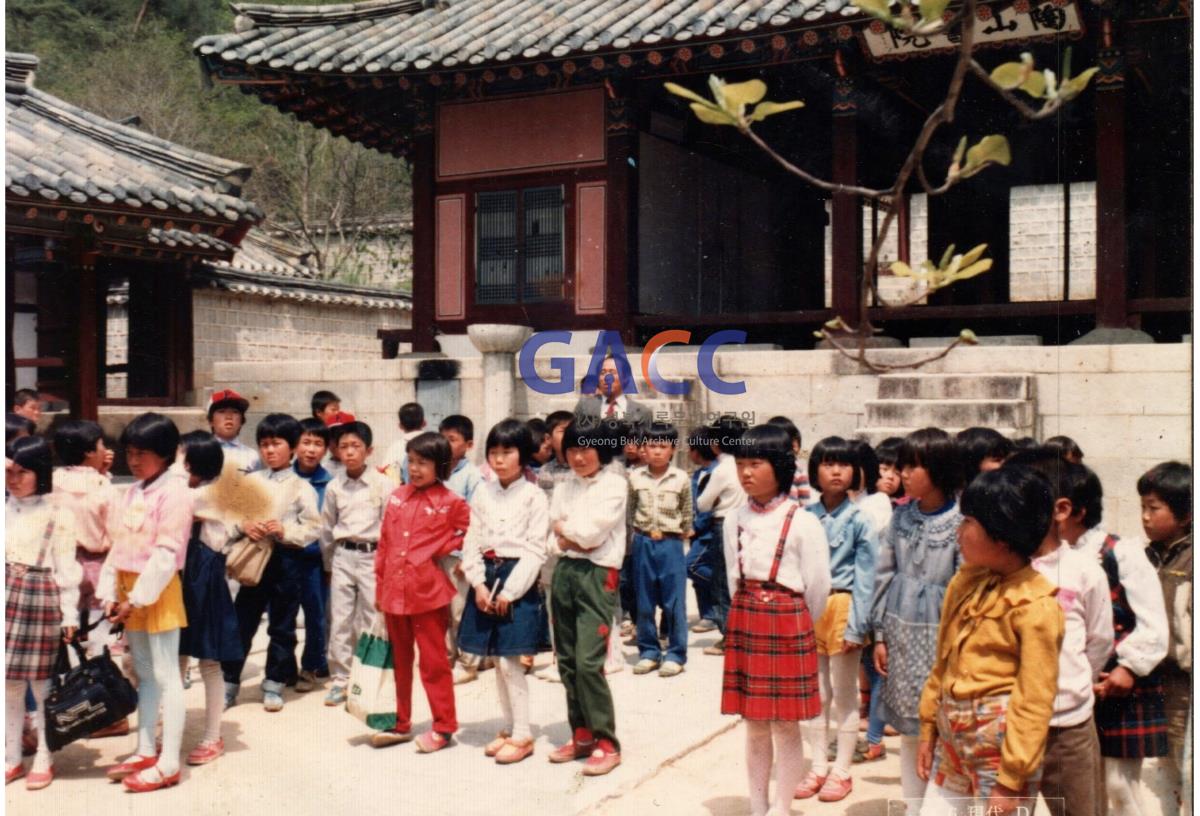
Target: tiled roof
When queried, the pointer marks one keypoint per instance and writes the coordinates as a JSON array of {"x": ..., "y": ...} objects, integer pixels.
[
  {"x": 56, "y": 152},
  {"x": 396, "y": 36}
]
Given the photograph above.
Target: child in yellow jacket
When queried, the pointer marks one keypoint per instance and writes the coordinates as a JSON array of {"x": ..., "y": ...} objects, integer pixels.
[{"x": 985, "y": 710}]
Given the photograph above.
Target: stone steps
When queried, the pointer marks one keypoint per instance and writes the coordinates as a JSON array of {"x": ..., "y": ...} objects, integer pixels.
[
  {"x": 952, "y": 402},
  {"x": 945, "y": 413},
  {"x": 956, "y": 386}
]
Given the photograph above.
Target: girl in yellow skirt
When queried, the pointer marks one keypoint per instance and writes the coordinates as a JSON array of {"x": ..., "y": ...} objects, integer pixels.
[{"x": 149, "y": 526}]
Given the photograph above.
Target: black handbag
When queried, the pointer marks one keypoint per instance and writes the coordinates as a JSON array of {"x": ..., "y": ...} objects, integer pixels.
[{"x": 86, "y": 698}]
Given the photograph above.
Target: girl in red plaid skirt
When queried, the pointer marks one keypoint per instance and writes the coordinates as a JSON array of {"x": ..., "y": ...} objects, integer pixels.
[
  {"x": 41, "y": 594},
  {"x": 778, "y": 570}
]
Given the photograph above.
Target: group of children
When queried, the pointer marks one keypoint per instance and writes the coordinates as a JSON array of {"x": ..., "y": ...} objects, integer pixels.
[{"x": 963, "y": 586}]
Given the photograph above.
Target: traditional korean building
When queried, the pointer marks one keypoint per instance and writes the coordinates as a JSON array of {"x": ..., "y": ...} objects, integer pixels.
[{"x": 557, "y": 184}]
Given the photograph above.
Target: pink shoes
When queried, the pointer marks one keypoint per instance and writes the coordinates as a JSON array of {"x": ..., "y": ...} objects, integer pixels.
[
  {"x": 809, "y": 786},
  {"x": 603, "y": 760},
  {"x": 835, "y": 789},
  {"x": 36, "y": 780},
  {"x": 144, "y": 780},
  {"x": 131, "y": 765},
  {"x": 431, "y": 741},
  {"x": 13, "y": 774},
  {"x": 206, "y": 752},
  {"x": 581, "y": 745}
]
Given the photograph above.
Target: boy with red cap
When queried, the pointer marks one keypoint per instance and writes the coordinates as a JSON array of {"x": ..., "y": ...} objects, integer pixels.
[{"x": 226, "y": 416}]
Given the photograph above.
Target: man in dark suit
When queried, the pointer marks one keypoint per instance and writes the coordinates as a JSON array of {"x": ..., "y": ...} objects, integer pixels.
[{"x": 610, "y": 403}]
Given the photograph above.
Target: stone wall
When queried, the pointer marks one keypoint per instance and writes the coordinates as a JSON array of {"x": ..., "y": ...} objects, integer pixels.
[
  {"x": 247, "y": 328},
  {"x": 1128, "y": 407}
]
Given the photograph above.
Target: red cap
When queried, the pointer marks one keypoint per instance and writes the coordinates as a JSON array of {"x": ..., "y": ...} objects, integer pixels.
[
  {"x": 228, "y": 398},
  {"x": 340, "y": 418}
]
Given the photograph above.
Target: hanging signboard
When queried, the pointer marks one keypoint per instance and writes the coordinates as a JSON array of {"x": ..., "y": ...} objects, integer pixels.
[{"x": 994, "y": 25}]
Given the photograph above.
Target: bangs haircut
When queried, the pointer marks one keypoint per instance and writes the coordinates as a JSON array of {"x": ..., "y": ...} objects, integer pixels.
[
  {"x": 728, "y": 431},
  {"x": 512, "y": 433},
  {"x": 868, "y": 464},
  {"x": 700, "y": 439},
  {"x": 314, "y": 427},
  {"x": 537, "y": 429},
  {"x": 34, "y": 453},
  {"x": 1171, "y": 482},
  {"x": 1067, "y": 447},
  {"x": 660, "y": 432},
  {"x": 322, "y": 400},
  {"x": 153, "y": 432},
  {"x": 587, "y": 434},
  {"x": 23, "y": 396},
  {"x": 460, "y": 424},
  {"x": 412, "y": 416},
  {"x": 203, "y": 455},
  {"x": 434, "y": 447},
  {"x": 789, "y": 426},
  {"x": 15, "y": 425},
  {"x": 771, "y": 443},
  {"x": 556, "y": 418},
  {"x": 278, "y": 426},
  {"x": 75, "y": 439},
  {"x": 977, "y": 444},
  {"x": 888, "y": 451},
  {"x": 358, "y": 428},
  {"x": 934, "y": 450},
  {"x": 1085, "y": 493},
  {"x": 1014, "y": 505},
  {"x": 834, "y": 450},
  {"x": 1046, "y": 461}
]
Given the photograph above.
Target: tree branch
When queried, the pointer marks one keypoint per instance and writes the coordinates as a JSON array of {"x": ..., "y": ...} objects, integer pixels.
[
  {"x": 808, "y": 177},
  {"x": 1047, "y": 110}
]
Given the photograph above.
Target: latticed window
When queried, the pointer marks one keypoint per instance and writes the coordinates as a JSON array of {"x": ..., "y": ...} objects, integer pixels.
[{"x": 519, "y": 245}]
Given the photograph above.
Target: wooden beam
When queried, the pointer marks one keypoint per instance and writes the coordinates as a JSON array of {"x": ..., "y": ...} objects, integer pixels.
[
  {"x": 85, "y": 396},
  {"x": 846, "y": 215},
  {"x": 1112, "y": 293},
  {"x": 620, "y": 209},
  {"x": 424, "y": 277}
]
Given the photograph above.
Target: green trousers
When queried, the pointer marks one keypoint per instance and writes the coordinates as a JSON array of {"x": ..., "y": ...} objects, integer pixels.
[{"x": 583, "y": 600}]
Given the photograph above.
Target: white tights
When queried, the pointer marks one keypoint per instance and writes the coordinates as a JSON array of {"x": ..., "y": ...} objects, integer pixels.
[
  {"x": 788, "y": 755},
  {"x": 1122, "y": 778},
  {"x": 911, "y": 786},
  {"x": 14, "y": 722},
  {"x": 513, "y": 689},
  {"x": 156, "y": 661},
  {"x": 839, "y": 694},
  {"x": 214, "y": 695}
]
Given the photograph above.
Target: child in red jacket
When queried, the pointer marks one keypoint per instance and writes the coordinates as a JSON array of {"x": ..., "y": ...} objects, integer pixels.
[{"x": 423, "y": 522}]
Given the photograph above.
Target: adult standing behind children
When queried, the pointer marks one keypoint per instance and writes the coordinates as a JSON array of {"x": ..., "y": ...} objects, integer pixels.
[
  {"x": 611, "y": 403},
  {"x": 226, "y": 416},
  {"x": 350, "y": 519}
]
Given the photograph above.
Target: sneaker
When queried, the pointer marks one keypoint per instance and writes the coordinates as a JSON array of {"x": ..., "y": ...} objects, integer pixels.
[
  {"x": 809, "y": 786},
  {"x": 670, "y": 669},
  {"x": 206, "y": 752},
  {"x": 604, "y": 759},
  {"x": 336, "y": 696},
  {"x": 870, "y": 753},
  {"x": 835, "y": 789},
  {"x": 703, "y": 626},
  {"x": 717, "y": 648},
  {"x": 306, "y": 681},
  {"x": 432, "y": 741},
  {"x": 581, "y": 745},
  {"x": 231, "y": 693},
  {"x": 382, "y": 739},
  {"x": 549, "y": 674},
  {"x": 272, "y": 701},
  {"x": 645, "y": 666},
  {"x": 463, "y": 675}
]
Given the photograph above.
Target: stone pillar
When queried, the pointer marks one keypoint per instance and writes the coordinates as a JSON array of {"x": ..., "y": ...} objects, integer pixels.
[{"x": 499, "y": 345}]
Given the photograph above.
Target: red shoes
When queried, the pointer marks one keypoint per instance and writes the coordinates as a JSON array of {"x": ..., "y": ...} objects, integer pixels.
[
  {"x": 431, "y": 741},
  {"x": 604, "y": 759},
  {"x": 581, "y": 745},
  {"x": 206, "y": 752},
  {"x": 132, "y": 765},
  {"x": 13, "y": 774},
  {"x": 141, "y": 783},
  {"x": 809, "y": 786},
  {"x": 36, "y": 780}
]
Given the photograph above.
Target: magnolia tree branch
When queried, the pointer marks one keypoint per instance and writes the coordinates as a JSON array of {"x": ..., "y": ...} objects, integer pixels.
[
  {"x": 1045, "y": 112},
  {"x": 836, "y": 189}
]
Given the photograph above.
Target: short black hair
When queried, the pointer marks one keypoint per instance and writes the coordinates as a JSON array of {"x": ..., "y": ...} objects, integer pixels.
[
  {"x": 75, "y": 439},
  {"x": 538, "y": 431},
  {"x": 16, "y": 425},
  {"x": 772, "y": 443},
  {"x": 833, "y": 449},
  {"x": 789, "y": 426},
  {"x": 33, "y": 453},
  {"x": 868, "y": 463},
  {"x": 934, "y": 450},
  {"x": 728, "y": 431},
  {"x": 888, "y": 451},
  {"x": 977, "y": 444},
  {"x": 700, "y": 439},
  {"x": 322, "y": 400},
  {"x": 1067, "y": 447},
  {"x": 1024, "y": 443},
  {"x": 512, "y": 433},
  {"x": 435, "y": 448},
  {"x": 1014, "y": 505},
  {"x": 359, "y": 428},
  {"x": 412, "y": 416},
  {"x": 153, "y": 432},
  {"x": 1085, "y": 493},
  {"x": 1171, "y": 482},
  {"x": 600, "y": 437},
  {"x": 589, "y": 384},
  {"x": 556, "y": 418},
  {"x": 660, "y": 432},
  {"x": 315, "y": 427},
  {"x": 459, "y": 423},
  {"x": 203, "y": 455},
  {"x": 278, "y": 426},
  {"x": 24, "y": 395},
  {"x": 1046, "y": 461}
]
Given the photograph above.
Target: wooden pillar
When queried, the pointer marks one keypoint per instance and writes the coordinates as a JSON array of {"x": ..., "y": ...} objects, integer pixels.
[
  {"x": 846, "y": 216},
  {"x": 1112, "y": 293},
  {"x": 621, "y": 210},
  {"x": 85, "y": 383},
  {"x": 424, "y": 282}
]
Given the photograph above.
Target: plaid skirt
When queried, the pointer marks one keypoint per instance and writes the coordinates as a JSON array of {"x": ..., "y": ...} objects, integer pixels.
[
  {"x": 1134, "y": 727},
  {"x": 32, "y": 622},
  {"x": 770, "y": 656}
]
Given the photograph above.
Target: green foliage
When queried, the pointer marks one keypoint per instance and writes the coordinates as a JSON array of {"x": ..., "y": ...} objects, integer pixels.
[
  {"x": 729, "y": 102},
  {"x": 1043, "y": 84}
]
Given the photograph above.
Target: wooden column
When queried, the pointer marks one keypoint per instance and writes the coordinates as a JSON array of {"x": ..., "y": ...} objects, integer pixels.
[
  {"x": 621, "y": 210},
  {"x": 85, "y": 383},
  {"x": 424, "y": 277},
  {"x": 846, "y": 216},
  {"x": 1112, "y": 294}
]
